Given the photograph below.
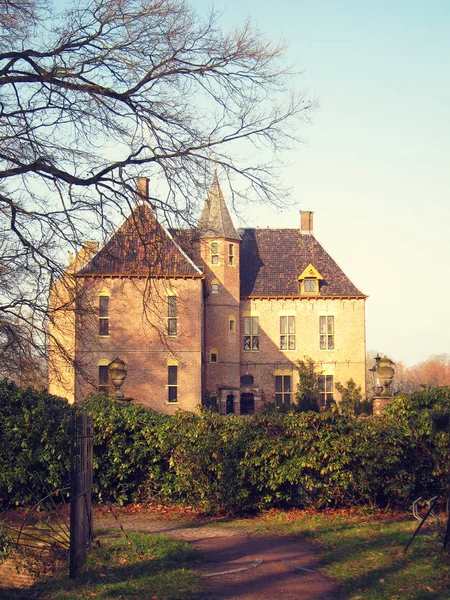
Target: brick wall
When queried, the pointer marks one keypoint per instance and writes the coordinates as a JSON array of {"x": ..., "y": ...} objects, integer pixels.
[{"x": 138, "y": 334}]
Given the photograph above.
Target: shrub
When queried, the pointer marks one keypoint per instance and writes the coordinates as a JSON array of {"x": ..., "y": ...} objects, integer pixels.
[
  {"x": 231, "y": 464},
  {"x": 34, "y": 449},
  {"x": 128, "y": 461}
]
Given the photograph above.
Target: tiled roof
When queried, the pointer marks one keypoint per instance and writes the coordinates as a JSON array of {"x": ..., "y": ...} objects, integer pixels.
[
  {"x": 141, "y": 247},
  {"x": 215, "y": 220},
  {"x": 272, "y": 259}
]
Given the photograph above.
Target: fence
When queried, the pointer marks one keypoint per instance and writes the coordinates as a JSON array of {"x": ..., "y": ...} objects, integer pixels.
[{"x": 81, "y": 477}]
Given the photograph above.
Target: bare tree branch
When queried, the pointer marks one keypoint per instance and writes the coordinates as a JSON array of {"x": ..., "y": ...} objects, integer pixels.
[{"x": 116, "y": 89}]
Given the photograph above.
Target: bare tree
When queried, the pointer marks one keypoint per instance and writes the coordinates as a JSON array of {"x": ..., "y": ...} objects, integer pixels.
[{"x": 112, "y": 89}]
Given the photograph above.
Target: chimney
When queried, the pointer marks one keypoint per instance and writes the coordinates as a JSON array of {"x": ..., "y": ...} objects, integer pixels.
[
  {"x": 142, "y": 189},
  {"x": 306, "y": 222}
]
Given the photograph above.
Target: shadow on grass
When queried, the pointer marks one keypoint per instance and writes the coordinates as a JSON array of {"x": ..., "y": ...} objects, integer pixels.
[{"x": 150, "y": 566}]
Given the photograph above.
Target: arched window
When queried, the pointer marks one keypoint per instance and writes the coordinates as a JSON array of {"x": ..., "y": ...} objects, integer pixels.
[
  {"x": 215, "y": 286},
  {"x": 103, "y": 376}
]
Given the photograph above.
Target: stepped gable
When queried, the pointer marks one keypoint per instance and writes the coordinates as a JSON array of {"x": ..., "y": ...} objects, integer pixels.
[
  {"x": 141, "y": 247},
  {"x": 215, "y": 220},
  {"x": 273, "y": 259}
]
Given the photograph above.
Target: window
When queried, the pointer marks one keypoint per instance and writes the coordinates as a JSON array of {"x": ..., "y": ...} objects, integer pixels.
[
  {"x": 283, "y": 390},
  {"x": 214, "y": 287},
  {"x": 247, "y": 380},
  {"x": 172, "y": 383},
  {"x": 310, "y": 280},
  {"x": 251, "y": 334},
  {"x": 232, "y": 324},
  {"x": 287, "y": 333},
  {"x": 214, "y": 355},
  {"x": 231, "y": 254},
  {"x": 326, "y": 332},
  {"x": 103, "y": 315},
  {"x": 172, "y": 315},
  {"x": 103, "y": 376},
  {"x": 214, "y": 253},
  {"x": 325, "y": 383},
  {"x": 310, "y": 285}
]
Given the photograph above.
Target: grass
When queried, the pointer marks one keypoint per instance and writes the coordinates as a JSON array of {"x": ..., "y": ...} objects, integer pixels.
[
  {"x": 150, "y": 567},
  {"x": 365, "y": 553}
]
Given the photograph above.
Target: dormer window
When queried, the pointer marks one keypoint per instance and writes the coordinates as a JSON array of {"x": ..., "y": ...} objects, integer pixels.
[
  {"x": 309, "y": 280},
  {"x": 310, "y": 284}
]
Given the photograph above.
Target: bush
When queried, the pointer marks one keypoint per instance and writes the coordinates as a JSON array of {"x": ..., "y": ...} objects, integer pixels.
[
  {"x": 231, "y": 464},
  {"x": 34, "y": 449},
  {"x": 128, "y": 461}
]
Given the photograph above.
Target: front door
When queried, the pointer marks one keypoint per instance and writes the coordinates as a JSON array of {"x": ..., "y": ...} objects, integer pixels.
[{"x": 247, "y": 404}]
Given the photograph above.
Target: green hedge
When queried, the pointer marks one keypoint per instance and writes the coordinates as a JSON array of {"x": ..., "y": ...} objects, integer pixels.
[
  {"x": 34, "y": 448},
  {"x": 230, "y": 463}
]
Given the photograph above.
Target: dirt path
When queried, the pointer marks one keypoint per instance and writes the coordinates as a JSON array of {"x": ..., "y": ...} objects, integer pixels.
[{"x": 241, "y": 566}]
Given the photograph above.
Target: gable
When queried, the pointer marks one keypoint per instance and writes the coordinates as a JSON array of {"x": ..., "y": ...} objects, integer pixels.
[{"x": 141, "y": 247}]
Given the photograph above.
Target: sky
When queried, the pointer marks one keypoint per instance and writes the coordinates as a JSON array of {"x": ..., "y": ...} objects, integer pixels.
[{"x": 374, "y": 164}]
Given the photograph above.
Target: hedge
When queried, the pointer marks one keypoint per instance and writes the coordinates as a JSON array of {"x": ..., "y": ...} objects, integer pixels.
[{"x": 233, "y": 464}]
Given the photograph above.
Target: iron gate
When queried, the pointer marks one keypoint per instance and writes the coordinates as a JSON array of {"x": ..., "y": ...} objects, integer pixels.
[{"x": 81, "y": 478}]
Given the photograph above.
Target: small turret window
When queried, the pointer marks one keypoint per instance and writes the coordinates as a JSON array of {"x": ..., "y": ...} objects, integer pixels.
[
  {"x": 215, "y": 286},
  {"x": 214, "y": 253},
  {"x": 231, "y": 254}
]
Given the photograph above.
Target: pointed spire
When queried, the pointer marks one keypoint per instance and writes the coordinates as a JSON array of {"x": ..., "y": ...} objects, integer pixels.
[{"x": 215, "y": 220}]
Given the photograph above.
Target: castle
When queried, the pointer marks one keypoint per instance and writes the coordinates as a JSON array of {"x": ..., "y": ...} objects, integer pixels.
[{"x": 207, "y": 314}]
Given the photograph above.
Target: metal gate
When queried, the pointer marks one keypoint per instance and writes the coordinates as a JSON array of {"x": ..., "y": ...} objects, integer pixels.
[{"x": 81, "y": 478}]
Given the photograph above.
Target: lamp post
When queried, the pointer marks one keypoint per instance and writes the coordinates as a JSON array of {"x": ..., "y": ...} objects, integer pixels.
[
  {"x": 117, "y": 374},
  {"x": 382, "y": 376}
]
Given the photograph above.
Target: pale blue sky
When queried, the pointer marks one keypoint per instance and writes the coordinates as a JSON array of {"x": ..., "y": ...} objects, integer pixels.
[{"x": 375, "y": 165}]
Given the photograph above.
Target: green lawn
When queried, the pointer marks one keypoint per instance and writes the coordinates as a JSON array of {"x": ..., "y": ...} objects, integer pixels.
[
  {"x": 151, "y": 566},
  {"x": 366, "y": 553}
]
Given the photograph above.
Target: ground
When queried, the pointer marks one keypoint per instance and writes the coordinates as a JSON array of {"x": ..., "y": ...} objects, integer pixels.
[{"x": 241, "y": 566}]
